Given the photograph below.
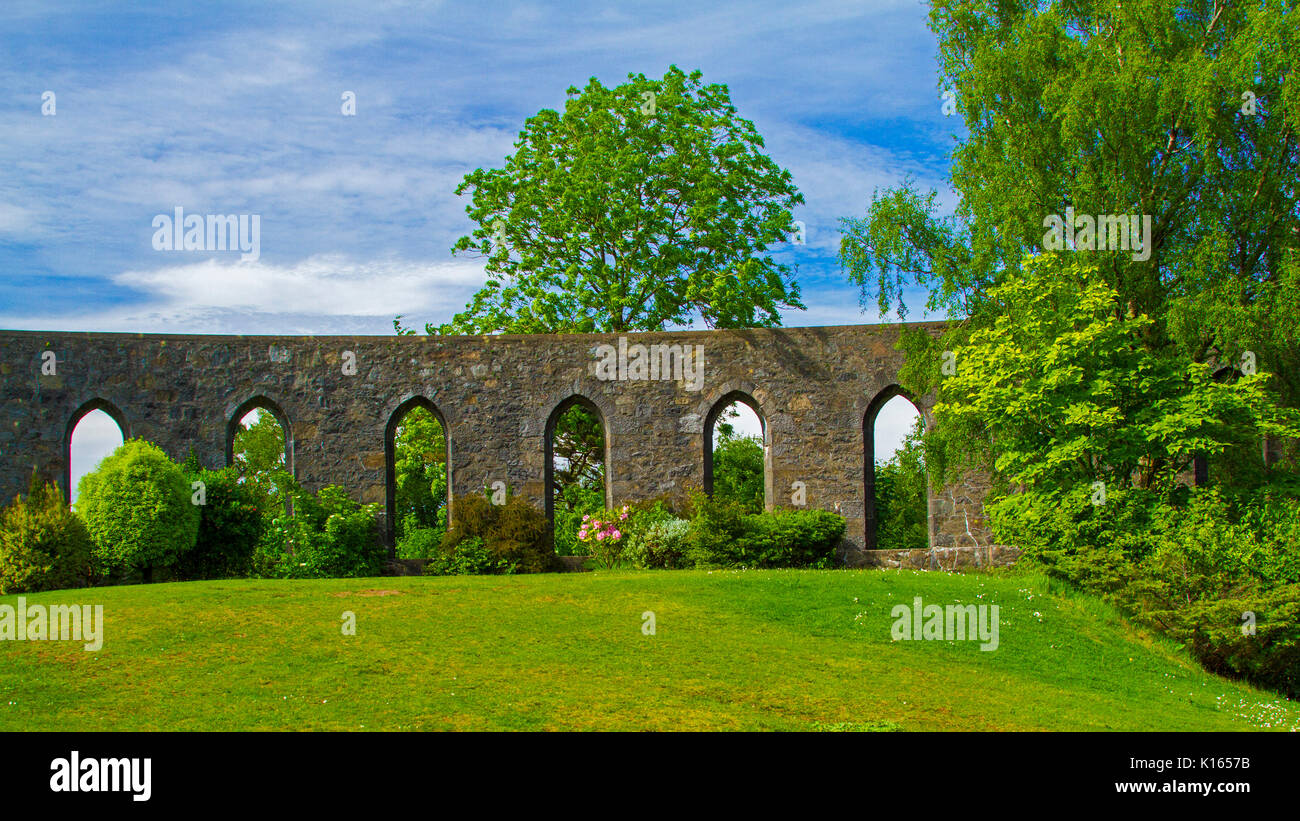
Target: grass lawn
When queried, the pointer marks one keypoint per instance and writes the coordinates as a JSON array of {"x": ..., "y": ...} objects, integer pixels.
[{"x": 733, "y": 650}]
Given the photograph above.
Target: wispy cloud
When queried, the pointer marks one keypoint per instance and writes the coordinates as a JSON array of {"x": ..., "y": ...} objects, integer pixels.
[{"x": 235, "y": 108}]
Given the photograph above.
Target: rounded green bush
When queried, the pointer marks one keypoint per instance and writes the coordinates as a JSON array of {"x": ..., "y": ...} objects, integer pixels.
[{"x": 137, "y": 507}]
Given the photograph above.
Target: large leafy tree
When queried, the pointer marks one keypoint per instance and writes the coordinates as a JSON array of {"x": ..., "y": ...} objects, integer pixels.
[
  {"x": 1184, "y": 110},
  {"x": 640, "y": 206},
  {"x": 1059, "y": 392}
]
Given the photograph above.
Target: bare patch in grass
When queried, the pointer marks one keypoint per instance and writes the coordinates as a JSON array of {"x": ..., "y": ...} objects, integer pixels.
[{"x": 367, "y": 593}]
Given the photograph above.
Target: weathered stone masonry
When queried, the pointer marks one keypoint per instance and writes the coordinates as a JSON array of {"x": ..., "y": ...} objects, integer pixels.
[{"x": 813, "y": 388}]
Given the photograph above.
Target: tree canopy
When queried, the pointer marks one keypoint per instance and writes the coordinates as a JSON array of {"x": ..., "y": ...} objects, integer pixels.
[
  {"x": 1182, "y": 110},
  {"x": 640, "y": 206}
]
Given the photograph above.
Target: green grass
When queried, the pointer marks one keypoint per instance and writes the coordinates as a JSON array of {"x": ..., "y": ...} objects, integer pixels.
[{"x": 733, "y": 650}]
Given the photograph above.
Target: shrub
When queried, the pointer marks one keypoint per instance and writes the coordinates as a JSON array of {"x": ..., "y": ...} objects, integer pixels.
[
  {"x": 137, "y": 507},
  {"x": 572, "y": 503},
  {"x": 230, "y": 527},
  {"x": 270, "y": 559},
  {"x": 603, "y": 534},
  {"x": 43, "y": 544},
  {"x": 1092, "y": 546},
  {"x": 660, "y": 543},
  {"x": 721, "y": 534},
  {"x": 419, "y": 542},
  {"x": 1270, "y": 654},
  {"x": 470, "y": 557},
  {"x": 718, "y": 533},
  {"x": 1188, "y": 563},
  {"x": 517, "y": 531},
  {"x": 333, "y": 536},
  {"x": 329, "y": 535},
  {"x": 795, "y": 538}
]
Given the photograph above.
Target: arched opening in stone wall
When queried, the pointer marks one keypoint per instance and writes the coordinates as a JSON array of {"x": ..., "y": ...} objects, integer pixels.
[
  {"x": 95, "y": 430},
  {"x": 897, "y": 492},
  {"x": 259, "y": 443},
  {"x": 417, "y": 457},
  {"x": 737, "y": 453},
  {"x": 577, "y": 480}
]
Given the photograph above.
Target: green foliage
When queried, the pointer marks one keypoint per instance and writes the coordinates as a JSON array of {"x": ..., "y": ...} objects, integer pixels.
[
  {"x": 1163, "y": 134},
  {"x": 717, "y": 535},
  {"x": 230, "y": 526},
  {"x": 579, "y": 447},
  {"x": 1060, "y": 390},
  {"x": 572, "y": 503},
  {"x": 578, "y": 451},
  {"x": 1269, "y": 656},
  {"x": 659, "y": 544},
  {"x": 470, "y": 557},
  {"x": 794, "y": 538},
  {"x": 1089, "y": 433},
  {"x": 138, "y": 510},
  {"x": 722, "y": 534},
  {"x": 656, "y": 533},
  {"x": 329, "y": 535},
  {"x": 901, "y": 496},
  {"x": 260, "y": 458},
  {"x": 419, "y": 542},
  {"x": 1189, "y": 563},
  {"x": 738, "y": 473},
  {"x": 615, "y": 216},
  {"x": 515, "y": 532},
  {"x": 420, "y": 472},
  {"x": 43, "y": 544}
]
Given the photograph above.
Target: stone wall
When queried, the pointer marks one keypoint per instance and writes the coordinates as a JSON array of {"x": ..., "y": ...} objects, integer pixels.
[{"x": 812, "y": 386}]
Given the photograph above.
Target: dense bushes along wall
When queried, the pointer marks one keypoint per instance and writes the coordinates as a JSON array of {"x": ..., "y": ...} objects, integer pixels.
[
  {"x": 231, "y": 524},
  {"x": 487, "y": 538},
  {"x": 328, "y": 535},
  {"x": 696, "y": 531}
]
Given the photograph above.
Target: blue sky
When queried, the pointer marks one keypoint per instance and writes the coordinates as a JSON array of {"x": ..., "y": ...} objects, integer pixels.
[{"x": 234, "y": 108}]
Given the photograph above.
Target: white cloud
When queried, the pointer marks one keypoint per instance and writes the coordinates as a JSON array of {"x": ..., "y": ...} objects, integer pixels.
[
  {"x": 324, "y": 293},
  {"x": 14, "y": 219},
  {"x": 324, "y": 284}
]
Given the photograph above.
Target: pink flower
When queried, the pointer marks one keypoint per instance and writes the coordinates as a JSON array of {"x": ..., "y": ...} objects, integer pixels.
[
  {"x": 617, "y": 535},
  {"x": 582, "y": 534},
  {"x": 585, "y": 517},
  {"x": 600, "y": 536}
]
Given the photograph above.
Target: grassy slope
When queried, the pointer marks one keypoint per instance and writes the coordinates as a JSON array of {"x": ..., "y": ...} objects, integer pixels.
[{"x": 789, "y": 650}]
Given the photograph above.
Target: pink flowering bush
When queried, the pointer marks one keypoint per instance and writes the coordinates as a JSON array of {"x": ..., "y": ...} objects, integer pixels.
[{"x": 603, "y": 534}]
